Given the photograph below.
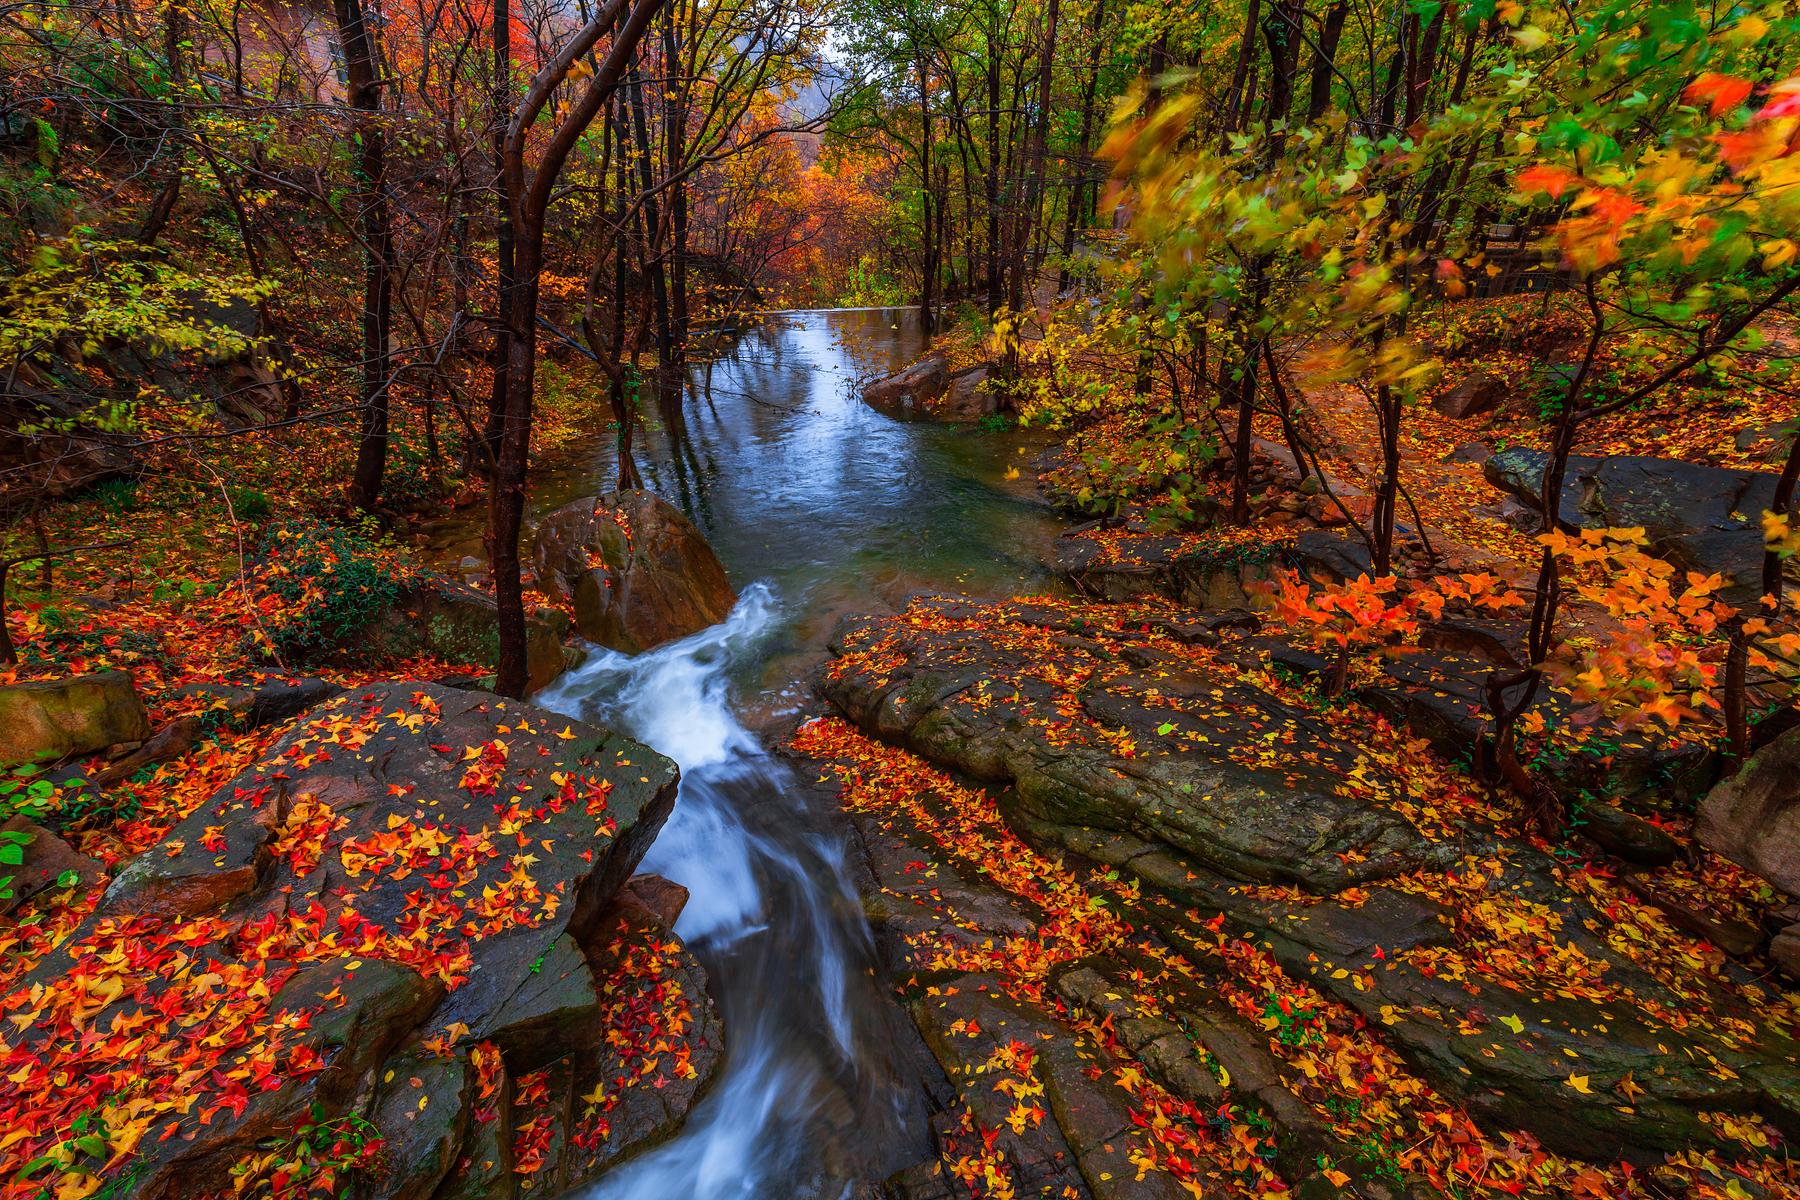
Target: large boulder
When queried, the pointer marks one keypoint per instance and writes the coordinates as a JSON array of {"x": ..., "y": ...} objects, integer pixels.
[
  {"x": 1480, "y": 393},
  {"x": 412, "y": 878},
  {"x": 49, "y": 720},
  {"x": 906, "y": 393},
  {"x": 929, "y": 391},
  {"x": 1700, "y": 517},
  {"x": 638, "y": 571},
  {"x": 1753, "y": 818},
  {"x": 459, "y": 624}
]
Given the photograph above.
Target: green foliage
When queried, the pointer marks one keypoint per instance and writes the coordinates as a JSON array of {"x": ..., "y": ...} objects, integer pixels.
[
  {"x": 327, "y": 584},
  {"x": 24, "y": 792},
  {"x": 1292, "y": 1024},
  {"x": 79, "y": 297},
  {"x": 314, "y": 1160},
  {"x": 116, "y": 496},
  {"x": 870, "y": 286},
  {"x": 250, "y": 506}
]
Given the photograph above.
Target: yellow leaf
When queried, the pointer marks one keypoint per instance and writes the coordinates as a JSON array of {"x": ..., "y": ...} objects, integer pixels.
[
  {"x": 1580, "y": 1084},
  {"x": 1513, "y": 1023}
]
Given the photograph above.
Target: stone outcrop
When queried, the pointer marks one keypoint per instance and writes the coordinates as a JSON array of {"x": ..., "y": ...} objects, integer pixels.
[
  {"x": 1753, "y": 818},
  {"x": 929, "y": 391},
  {"x": 1479, "y": 394},
  {"x": 405, "y": 911},
  {"x": 1700, "y": 517},
  {"x": 1159, "y": 564},
  {"x": 458, "y": 624},
  {"x": 957, "y": 695},
  {"x": 637, "y": 570},
  {"x": 48, "y": 720},
  {"x": 1093, "y": 725}
]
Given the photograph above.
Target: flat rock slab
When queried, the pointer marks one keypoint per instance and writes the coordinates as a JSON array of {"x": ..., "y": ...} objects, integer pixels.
[
  {"x": 1603, "y": 1070},
  {"x": 1091, "y": 743}
]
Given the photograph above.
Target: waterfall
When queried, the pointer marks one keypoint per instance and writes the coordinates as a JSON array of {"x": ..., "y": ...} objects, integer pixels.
[{"x": 806, "y": 1085}]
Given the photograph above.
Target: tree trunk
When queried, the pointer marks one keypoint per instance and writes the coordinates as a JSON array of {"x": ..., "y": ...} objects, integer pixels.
[
  {"x": 501, "y": 100},
  {"x": 528, "y": 194},
  {"x": 1324, "y": 61},
  {"x": 1737, "y": 658},
  {"x": 1077, "y": 207},
  {"x": 928, "y": 266},
  {"x": 364, "y": 93}
]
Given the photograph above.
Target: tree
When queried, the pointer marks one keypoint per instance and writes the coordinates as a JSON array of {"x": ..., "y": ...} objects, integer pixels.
[{"x": 528, "y": 188}]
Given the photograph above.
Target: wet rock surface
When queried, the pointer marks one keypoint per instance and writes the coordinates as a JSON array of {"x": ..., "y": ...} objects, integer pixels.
[
  {"x": 638, "y": 571},
  {"x": 1495, "y": 974},
  {"x": 458, "y": 624},
  {"x": 929, "y": 391},
  {"x": 1701, "y": 517},
  {"x": 959, "y": 697}
]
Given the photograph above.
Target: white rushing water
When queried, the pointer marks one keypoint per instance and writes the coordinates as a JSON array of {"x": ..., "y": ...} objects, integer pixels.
[{"x": 774, "y": 917}]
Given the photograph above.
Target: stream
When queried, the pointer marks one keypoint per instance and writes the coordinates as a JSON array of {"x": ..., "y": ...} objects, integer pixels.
[{"x": 818, "y": 507}]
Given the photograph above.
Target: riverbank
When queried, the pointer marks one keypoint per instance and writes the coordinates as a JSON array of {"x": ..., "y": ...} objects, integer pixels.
[
  {"x": 1196, "y": 886},
  {"x": 1097, "y": 898},
  {"x": 1197, "y": 929}
]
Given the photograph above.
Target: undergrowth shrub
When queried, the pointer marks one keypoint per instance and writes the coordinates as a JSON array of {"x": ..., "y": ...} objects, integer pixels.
[{"x": 320, "y": 585}]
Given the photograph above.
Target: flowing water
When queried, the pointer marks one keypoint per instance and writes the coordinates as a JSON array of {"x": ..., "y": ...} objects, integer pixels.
[{"x": 818, "y": 506}]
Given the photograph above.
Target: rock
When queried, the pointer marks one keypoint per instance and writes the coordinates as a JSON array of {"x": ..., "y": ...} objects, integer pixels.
[
  {"x": 639, "y": 572},
  {"x": 655, "y": 897},
  {"x": 349, "y": 1013},
  {"x": 48, "y": 720},
  {"x": 1753, "y": 818},
  {"x": 929, "y": 390},
  {"x": 968, "y": 398},
  {"x": 957, "y": 694},
  {"x": 1331, "y": 556},
  {"x": 422, "y": 1111},
  {"x": 1480, "y": 393},
  {"x": 1626, "y": 1069},
  {"x": 458, "y": 624},
  {"x": 277, "y": 698},
  {"x": 48, "y": 862},
  {"x": 1629, "y": 837},
  {"x": 165, "y": 745},
  {"x": 1699, "y": 517},
  {"x": 1121, "y": 569},
  {"x": 966, "y": 1027},
  {"x": 554, "y": 1010},
  {"x": 907, "y": 392},
  {"x": 270, "y": 829},
  {"x": 627, "y": 1095},
  {"x": 1355, "y": 953},
  {"x": 484, "y": 1168},
  {"x": 450, "y": 859},
  {"x": 1441, "y": 697},
  {"x": 1784, "y": 952},
  {"x": 1470, "y": 452}
]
